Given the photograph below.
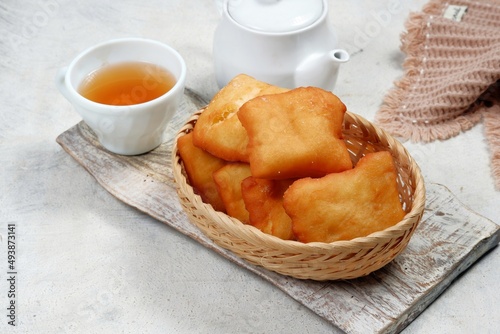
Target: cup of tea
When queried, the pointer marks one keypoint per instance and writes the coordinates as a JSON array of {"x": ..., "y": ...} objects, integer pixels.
[{"x": 126, "y": 90}]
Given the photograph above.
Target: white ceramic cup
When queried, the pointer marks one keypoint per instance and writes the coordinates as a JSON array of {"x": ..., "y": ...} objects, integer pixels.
[{"x": 132, "y": 129}]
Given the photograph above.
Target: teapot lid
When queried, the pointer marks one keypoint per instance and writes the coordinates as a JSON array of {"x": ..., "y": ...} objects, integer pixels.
[{"x": 275, "y": 16}]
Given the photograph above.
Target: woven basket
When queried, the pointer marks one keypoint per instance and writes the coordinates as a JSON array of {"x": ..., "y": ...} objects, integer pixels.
[{"x": 315, "y": 260}]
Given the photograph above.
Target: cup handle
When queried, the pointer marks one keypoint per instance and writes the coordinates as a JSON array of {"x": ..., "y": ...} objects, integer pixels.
[{"x": 61, "y": 82}]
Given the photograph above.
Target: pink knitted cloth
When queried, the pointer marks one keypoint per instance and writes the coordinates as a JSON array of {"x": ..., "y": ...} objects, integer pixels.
[{"x": 452, "y": 78}]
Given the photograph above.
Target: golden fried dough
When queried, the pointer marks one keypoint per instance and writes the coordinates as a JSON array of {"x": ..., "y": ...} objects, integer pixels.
[
  {"x": 228, "y": 181},
  {"x": 347, "y": 205},
  {"x": 218, "y": 130},
  {"x": 264, "y": 202},
  {"x": 295, "y": 134},
  {"x": 199, "y": 166}
]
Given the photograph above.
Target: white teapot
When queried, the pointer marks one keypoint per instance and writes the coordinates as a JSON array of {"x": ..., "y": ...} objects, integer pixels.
[{"x": 288, "y": 43}]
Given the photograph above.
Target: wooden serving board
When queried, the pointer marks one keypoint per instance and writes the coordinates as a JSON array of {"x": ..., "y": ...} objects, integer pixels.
[{"x": 448, "y": 240}]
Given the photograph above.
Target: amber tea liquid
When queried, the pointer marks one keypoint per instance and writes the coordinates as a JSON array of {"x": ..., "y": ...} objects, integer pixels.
[{"x": 126, "y": 83}]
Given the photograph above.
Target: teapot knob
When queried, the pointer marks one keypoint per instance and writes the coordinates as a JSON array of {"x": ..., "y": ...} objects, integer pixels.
[{"x": 275, "y": 16}]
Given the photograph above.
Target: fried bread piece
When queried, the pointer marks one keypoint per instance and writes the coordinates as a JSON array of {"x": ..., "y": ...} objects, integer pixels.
[
  {"x": 228, "y": 181},
  {"x": 199, "y": 166},
  {"x": 347, "y": 205},
  {"x": 295, "y": 134},
  {"x": 264, "y": 203},
  {"x": 218, "y": 130}
]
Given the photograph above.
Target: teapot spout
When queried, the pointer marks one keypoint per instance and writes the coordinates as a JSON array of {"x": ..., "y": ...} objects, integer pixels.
[
  {"x": 320, "y": 70},
  {"x": 339, "y": 55}
]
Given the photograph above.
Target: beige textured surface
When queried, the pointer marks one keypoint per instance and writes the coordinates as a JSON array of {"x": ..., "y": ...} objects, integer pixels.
[{"x": 89, "y": 263}]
